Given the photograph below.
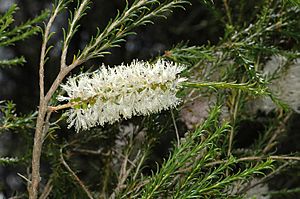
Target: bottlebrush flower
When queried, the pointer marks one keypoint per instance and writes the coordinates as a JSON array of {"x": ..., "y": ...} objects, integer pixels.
[{"x": 111, "y": 94}]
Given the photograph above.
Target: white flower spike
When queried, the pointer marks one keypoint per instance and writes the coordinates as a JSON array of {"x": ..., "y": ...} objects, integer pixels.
[{"x": 111, "y": 94}]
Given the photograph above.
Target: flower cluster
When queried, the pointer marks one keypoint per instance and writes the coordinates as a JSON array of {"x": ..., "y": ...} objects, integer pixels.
[{"x": 111, "y": 94}]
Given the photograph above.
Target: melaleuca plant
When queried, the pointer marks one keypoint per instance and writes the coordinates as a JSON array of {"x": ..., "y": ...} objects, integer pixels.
[{"x": 116, "y": 115}]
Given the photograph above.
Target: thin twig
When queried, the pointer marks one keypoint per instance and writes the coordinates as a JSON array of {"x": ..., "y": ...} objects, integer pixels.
[
  {"x": 139, "y": 166},
  {"x": 46, "y": 124},
  {"x": 287, "y": 192},
  {"x": 106, "y": 177},
  {"x": 70, "y": 33},
  {"x": 122, "y": 176},
  {"x": 124, "y": 157},
  {"x": 61, "y": 107},
  {"x": 138, "y": 187},
  {"x": 88, "y": 193},
  {"x": 176, "y": 129},
  {"x": 234, "y": 116},
  {"x": 70, "y": 104},
  {"x": 18, "y": 197},
  {"x": 47, "y": 190},
  {"x": 124, "y": 173},
  {"x": 225, "y": 2},
  {"x": 90, "y": 152},
  {"x": 86, "y": 52},
  {"x": 22, "y": 176},
  {"x": 250, "y": 158},
  {"x": 235, "y": 103},
  {"x": 276, "y": 134},
  {"x": 262, "y": 180}
]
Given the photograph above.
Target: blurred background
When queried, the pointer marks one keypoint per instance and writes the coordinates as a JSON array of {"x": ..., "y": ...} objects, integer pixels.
[{"x": 196, "y": 25}]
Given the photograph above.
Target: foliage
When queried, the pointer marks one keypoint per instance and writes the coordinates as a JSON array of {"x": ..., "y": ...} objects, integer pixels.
[
  {"x": 10, "y": 35},
  {"x": 186, "y": 173},
  {"x": 9, "y": 121},
  {"x": 120, "y": 160},
  {"x": 296, "y": 2}
]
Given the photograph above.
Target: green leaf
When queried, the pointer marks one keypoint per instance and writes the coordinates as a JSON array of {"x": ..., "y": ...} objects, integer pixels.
[
  {"x": 12, "y": 62},
  {"x": 8, "y": 161}
]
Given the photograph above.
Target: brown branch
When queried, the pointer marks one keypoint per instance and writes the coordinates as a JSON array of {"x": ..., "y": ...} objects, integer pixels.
[
  {"x": 46, "y": 124},
  {"x": 137, "y": 187},
  {"x": 18, "y": 197},
  {"x": 234, "y": 116},
  {"x": 125, "y": 157},
  {"x": 88, "y": 193},
  {"x": 47, "y": 190},
  {"x": 234, "y": 112},
  {"x": 61, "y": 75},
  {"x": 38, "y": 137},
  {"x": 61, "y": 107},
  {"x": 123, "y": 175},
  {"x": 36, "y": 154},
  {"x": 90, "y": 152},
  {"x": 264, "y": 179},
  {"x": 276, "y": 134},
  {"x": 42, "y": 124},
  {"x": 124, "y": 172}
]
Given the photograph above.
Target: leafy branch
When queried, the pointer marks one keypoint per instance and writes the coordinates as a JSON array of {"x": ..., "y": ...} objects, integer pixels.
[
  {"x": 9, "y": 120},
  {"x": 184, "y": 174},
  {"x": 247, "y": 87},
  {"x": 8, "y": 161},
  {"x": 8, "y": 35},
  {"x": 110, "y": 37}
]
